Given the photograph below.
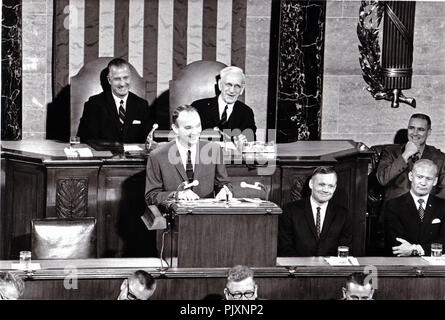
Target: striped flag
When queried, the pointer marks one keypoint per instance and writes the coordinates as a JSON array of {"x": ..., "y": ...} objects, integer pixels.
[{"x": 158, "y": 37}]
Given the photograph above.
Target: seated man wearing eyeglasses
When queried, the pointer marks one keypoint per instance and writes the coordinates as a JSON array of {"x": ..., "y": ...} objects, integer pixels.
[
  {"x": 358, "y": 287},
  {"x": 139, "y": 286},
  {"x": 240, "y": 284}
]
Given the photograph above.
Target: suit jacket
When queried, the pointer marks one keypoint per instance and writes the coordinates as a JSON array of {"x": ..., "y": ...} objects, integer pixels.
[
  {"x": 402, "y": 221},
  {"x": 241, "y": 118},
  {"x": 165, "y": 172},
  {"x": 392, "y": 172},
  {"x": 297, "y": 235},
  {"x": 100, "y": 119}
]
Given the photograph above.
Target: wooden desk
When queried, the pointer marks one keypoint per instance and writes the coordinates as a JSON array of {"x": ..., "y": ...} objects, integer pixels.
[
  {"x": 39, "y": 181},
  {"x": 292, "y": 278}
]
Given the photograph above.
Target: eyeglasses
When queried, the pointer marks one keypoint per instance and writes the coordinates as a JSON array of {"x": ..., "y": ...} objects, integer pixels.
[
  {"x": 130, "y": 295},
  {"x": 354, "y": 297},
  {"x": 239, "y": 295}
]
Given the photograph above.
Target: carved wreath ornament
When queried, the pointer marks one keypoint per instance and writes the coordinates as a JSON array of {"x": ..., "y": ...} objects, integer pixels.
[{"x": 371, "y": 13}]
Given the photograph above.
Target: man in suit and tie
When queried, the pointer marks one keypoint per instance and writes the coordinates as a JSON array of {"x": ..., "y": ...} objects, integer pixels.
[
  {"x": 397, "y": 160},
  {"x": 315, "y": 226},
  {"x": 417, "y": 218},
  {"x": 116, "y": 115},
  {"x": 225, "y": 111},
  {"x": 183, "y": 160}
]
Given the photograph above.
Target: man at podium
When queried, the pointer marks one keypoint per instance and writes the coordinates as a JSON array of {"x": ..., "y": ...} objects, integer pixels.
[{"x": 186, "y": 168}]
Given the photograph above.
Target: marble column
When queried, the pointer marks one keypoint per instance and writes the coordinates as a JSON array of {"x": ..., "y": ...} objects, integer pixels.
[
  {"x": 11, "y": 77},
  {"x": 300, "y": 70}
]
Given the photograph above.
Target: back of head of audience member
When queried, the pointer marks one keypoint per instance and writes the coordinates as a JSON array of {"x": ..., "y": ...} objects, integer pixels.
[
  {"x": 139, "y": 286},
  {"x": 240, "y": 284},
  {"x": 11, "y": 286},
  {"x": 358, "y": 287}
]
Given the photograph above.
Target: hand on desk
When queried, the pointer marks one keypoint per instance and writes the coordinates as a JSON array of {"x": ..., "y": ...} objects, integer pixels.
[
  {"x": 403, "y": 250},
  {"x": 187, "y": 195},
  {"x": 223, "y": 193}
]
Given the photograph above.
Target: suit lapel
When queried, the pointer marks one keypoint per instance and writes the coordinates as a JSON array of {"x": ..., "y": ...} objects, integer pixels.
[
  {"x": 130, "y": 110},
  {"x": 112, "y": 110},
  {"x": 179, "y": 165},
  {"x": 411, "y": 206},
  {"x": 428, "y": 217},
  {"x": 309, "y": 217},
  {"x": 329, "y": 217},
  {"x": 234, "y": 116},
  {"x": 197, "y": 171},
  {"x": 215, "y": 111}
]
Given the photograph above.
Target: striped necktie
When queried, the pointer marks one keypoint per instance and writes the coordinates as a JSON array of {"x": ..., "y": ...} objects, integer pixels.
[
  {"x": 421, "y": 209},
  {"x": 224, "y": 116},
  {"x": 318, "y": 222},
  {"x": 189, "y": 166},
  {"x": 122, "y": 112}
]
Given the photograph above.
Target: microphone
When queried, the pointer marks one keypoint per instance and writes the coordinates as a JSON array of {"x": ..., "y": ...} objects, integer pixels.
[
  {"x": 257, "y": 185},
  {"x": 149, "y": 139},
  {"x": 225, "y": 135},
  {"x": 184, "y": 186},
  {"x": 194, "y": 183}
]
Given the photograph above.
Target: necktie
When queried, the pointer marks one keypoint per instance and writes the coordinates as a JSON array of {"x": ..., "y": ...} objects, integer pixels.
[
  {"x": 415, "y": 157},
  {"x": 421, "y": 210},
  {"x": 189, "y": 166},
  {"x": 121, "y": 112},
  {"x": 224, "y": 116},
  {"x": 318, "y": 222}
]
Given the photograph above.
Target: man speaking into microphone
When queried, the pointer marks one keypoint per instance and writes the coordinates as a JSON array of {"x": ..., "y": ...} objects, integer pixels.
[{"x": 186, "y": 168}]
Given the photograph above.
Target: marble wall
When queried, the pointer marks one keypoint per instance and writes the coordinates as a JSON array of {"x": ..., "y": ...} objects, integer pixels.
[
  {"x": 37, "y": 65},
  {"x": 349, "y": 111},
  {"x": 11, "y": 75},
  {"x": 300, "y": 70}
]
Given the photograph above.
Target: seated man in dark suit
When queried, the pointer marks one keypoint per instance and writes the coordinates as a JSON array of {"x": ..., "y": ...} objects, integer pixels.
[
  {"x": 116, "y": 115},
  {"x": 397, "y": 160},
  {"x": 180, "y": 162},
  {"x": 225, "y": 111},
  {"x": 417, "y": 218},
  {"x": 315, "y": 226}
]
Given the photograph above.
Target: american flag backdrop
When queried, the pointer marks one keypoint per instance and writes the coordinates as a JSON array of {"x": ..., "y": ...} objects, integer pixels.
[{"x": 158, "y": 37}]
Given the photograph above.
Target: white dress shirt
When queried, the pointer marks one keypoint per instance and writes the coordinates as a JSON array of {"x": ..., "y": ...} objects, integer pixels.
[
  {"x": 183, "y": 153},
  {"x": 222, "y": 105},
  {"x": 117, "y": 101},
  {"x": 416, "y": 200}
]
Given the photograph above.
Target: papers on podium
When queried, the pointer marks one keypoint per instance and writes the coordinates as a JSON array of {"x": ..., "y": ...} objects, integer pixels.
[
  {"x": 435, "y": 261},
  {"x": 336, "y": 261},
  {"x": 78, "y": 152}
]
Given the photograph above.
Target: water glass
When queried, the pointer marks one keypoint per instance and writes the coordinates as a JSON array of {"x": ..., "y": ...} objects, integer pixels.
[
  {"x": 25, "y": 259},
  {"x": 436, "y": 249},
  {"x": 74, "y": 141},
  {"x": 343, "y": 251}
]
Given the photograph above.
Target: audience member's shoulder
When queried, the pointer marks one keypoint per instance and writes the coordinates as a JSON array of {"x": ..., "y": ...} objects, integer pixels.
[
  {"x": 97, "y": 97},
  {"x": 202, "y": 102},
  {"x": 439, "y": 201},
  {"x": 435, "y": 151},
  {"x": 138, "y": 98},
  {"x": 244, "y": 106},
  {"x": 339, "y": 207},
  {"x": 392, "y": 148},
  {"x": 395, "y": 202},
  {"x": 294, "y": 204},
  {"x": 162, "y": 149}
]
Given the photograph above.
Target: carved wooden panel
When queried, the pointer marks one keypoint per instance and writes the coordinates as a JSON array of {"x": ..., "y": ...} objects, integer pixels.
[{"x": 72, "y": 197}]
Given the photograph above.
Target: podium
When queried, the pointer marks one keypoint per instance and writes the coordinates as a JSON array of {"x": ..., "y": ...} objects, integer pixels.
[{"x": 215, "y": 233}]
